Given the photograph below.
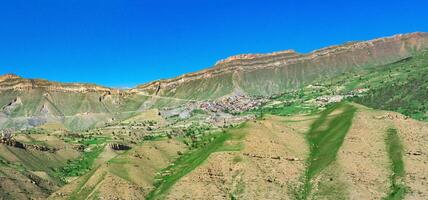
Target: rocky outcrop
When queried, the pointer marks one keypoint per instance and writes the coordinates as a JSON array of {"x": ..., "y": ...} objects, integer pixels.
[
  {"x": 79, "y": 147},
  {"x": 287, "y": 54},
  {"x": 14, "y": 143},
  {"x": 8, "y": 77},
  {"x": 8, "y": 108},
  {"x": 119, "y": 147},
  {"x": 13, "y": 82}
]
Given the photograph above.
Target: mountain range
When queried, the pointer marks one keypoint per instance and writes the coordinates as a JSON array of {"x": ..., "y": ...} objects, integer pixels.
[
  {"x": 343, "y": 122},
  {"x": 32, "y": 102}
]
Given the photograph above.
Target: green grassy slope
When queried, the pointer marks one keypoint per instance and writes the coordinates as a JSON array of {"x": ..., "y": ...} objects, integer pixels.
[
  {"x": 325, "y": 138},
  {"x": 76, "y": 111},
  {"x": 395, "y": 153},
  {"x": 203, "y": 89},
  {"x": 401, "y": 87},
  {"x": 191, "y": 160}
]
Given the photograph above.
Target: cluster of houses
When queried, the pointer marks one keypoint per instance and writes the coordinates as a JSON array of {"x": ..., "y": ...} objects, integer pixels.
[{"x": 232, "y": 104}]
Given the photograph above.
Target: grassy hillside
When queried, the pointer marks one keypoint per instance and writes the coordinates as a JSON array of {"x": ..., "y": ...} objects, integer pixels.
[
  {"x": 401, "y": 87},
  {"x": 30, "y": 173},
  {"x": 351, "y": 154},
  {"x": 325, "y": 138},
  {"x": 76, "y": 111},
  {"x": 395, "y": 153}
]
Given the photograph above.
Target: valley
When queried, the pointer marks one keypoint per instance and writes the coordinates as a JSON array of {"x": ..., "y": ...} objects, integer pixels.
[{"x": 344, "y": 122}]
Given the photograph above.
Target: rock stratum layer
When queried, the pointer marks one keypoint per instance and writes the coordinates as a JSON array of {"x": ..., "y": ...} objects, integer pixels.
[{"x": 17, "y": 83}]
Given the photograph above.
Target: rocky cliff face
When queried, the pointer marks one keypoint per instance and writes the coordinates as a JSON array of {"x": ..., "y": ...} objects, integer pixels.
[
  {"x": 268, "y": 74},
  {"x": 14, "y": 82}
]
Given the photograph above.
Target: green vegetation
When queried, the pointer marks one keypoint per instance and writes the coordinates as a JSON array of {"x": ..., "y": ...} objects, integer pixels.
[
  {"x": 195, "y": 135},
  {"x": 325, "y": 138},
  {"x": 395, "y": 153},
  {"x": 289, "y": 103},
  {"x": 84, "y": 163},
  {"x": 203, "y": 148},
  {"x": 32, "y": 131},
  {"x": 202, "y": 89},
  {"x": 285, "y": 109},
  {"x": 237, "y": 159},
  {"x": 400, "y": 87},
  {"x": 184, "y": 165},
  {"x": 83, "y": 192},
  {"x": 81, "y": 165},
  {"x": 198, "y": 112}
]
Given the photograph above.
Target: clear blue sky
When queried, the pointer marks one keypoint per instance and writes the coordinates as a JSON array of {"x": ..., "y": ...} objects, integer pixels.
[{"x": 122, "y": 43}]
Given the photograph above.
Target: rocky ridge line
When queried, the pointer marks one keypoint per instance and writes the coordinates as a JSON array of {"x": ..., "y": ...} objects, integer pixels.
[{"x": 414, "y": 41}]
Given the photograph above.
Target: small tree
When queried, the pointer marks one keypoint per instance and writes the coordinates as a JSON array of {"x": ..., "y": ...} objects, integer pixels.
[{"x": 7, "y": 133}]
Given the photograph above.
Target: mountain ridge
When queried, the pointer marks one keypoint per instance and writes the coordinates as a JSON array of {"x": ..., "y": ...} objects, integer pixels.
[
  {"x": 373, "y": 52},
  {"x": 418, "y": 40}
]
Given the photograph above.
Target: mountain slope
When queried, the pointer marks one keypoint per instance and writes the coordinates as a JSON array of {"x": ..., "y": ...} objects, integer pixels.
[
  {"x": 271, "y": 164},
  {"x": 403, "y": 88},
  {"x": 269, "y": 74},
  {"x": 33, "y": 102}
]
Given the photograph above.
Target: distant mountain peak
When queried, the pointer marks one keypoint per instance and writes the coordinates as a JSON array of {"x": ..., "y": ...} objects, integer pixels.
[
  {"x": 253, "y": 56},
  {"x": 8, "y": 76}
]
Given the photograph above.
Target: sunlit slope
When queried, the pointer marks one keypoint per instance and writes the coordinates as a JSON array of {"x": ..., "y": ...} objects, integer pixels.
[
  {"x": 278, "y": 159},
  {"x": 76, "y": 110},
  {"x": 119, "y": 174},
  {"x": 30, "y": 173},
  {"x": 269, "y": 74},
  {"x": 400, "y": 87}
]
